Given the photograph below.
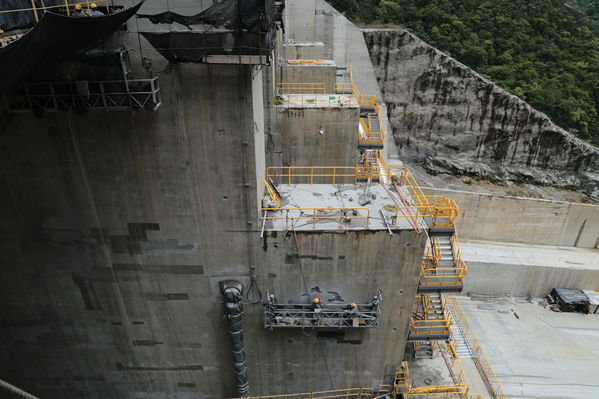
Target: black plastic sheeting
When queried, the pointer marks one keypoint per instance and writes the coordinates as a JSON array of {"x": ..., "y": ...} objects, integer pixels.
[
  {"x": 56, "y": 38},
  {"x": 570, "y": 300},
  {"x": 21, "y": 19},
  {"x": 234, "y": 310},
  {"x": 193, "y": 46},
  {"x": 249, "y": 15}
]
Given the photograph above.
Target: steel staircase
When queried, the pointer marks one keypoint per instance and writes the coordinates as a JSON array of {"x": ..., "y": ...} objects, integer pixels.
[
  {"x": 429, "y": 319},
  {"x": 344, "y": 81},
  {"x": 443, "y": 270}
]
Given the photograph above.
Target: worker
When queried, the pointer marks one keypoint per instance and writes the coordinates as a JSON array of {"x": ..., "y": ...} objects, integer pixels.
[
  {"x": 94, "y": 11},
  {"x": 316, "y": 304},
  {"x": 78, "y": 11},
  {"x": 352, "y": 310}
]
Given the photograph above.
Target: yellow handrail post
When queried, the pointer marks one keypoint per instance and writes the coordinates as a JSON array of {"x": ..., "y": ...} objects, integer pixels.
[
  {"x": 33, "y": 6},
  {"x": 67, "y": 8}
]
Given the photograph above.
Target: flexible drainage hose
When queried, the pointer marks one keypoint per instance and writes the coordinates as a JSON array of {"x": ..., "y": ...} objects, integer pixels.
[{"x": 232, "y": 292}]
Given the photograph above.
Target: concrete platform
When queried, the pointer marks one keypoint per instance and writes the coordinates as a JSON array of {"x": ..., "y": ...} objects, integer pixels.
[
  {"x": 337, "y": 208},
  {"x": 540, "y": 353},
  {"x": 526, "y": 269}
]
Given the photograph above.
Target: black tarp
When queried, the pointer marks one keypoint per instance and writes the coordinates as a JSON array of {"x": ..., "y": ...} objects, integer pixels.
[
  {"x": 570, "y": 300},
  {"x": 193, "y": 46},
  {"x": 249, "y": 15},
  {"x": 56, "y": 38},
  {"x": 21, "y": 19}
]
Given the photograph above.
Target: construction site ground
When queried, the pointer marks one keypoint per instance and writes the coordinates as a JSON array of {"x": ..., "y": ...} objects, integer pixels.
[{"x": 536, "y": 352}]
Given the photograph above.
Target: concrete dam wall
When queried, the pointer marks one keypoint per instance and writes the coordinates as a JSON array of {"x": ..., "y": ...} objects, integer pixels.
[{"x": 453, "y": 120}]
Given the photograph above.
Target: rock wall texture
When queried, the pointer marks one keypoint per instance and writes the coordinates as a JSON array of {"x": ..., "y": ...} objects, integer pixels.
[{"x": 453, "y": 120}]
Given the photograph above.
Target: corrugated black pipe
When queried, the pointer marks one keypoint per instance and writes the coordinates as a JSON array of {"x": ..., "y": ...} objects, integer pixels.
[{"x": 233, "y": 293}]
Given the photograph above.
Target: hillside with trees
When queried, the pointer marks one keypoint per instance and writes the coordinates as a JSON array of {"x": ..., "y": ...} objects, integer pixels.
[{"x": 544, "y": 51}]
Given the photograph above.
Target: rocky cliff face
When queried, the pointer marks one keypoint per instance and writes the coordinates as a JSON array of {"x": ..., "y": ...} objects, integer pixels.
[{"x": 451, "y": 119}]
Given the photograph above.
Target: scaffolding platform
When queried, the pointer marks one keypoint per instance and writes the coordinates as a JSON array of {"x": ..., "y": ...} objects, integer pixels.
[
  {"x": 294, "y": 315},
  {"x": 114, "y": 95}
]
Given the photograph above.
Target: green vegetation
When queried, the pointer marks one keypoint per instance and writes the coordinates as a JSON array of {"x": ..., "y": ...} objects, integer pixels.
[{"x": 544, "y": 51}]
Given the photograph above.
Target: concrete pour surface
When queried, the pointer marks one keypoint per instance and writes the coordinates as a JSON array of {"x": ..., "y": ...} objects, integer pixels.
[{"x": 539, "y": 353}]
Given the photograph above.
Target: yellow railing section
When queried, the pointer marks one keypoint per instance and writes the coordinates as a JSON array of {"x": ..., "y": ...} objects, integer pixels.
[
  {"x": 342, "y": 215},
  {"x": 301, "y": 88},
  {"x": 439, "y": 211},
  {"x": 305, "y": 62},
  {"x": 368, "y": 136},
  {"x": 272, "y": 193},
  {"x": 66, "y": 7},
  {"x": 479, "y": 356},
  {"x": 432, "y": 273},
  {"x": 366, "y": 393},
  {"x": 429, "y": 327}
]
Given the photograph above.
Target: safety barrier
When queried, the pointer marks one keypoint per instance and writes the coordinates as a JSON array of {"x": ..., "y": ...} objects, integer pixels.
[
  {"x": 428, "y": 328},
  {"x": 368, "y": 135},
  {"x": 317, "y": 100},
  {"x": 301, "y": 88},
  {"x": 357, "y": 393},
  {"x": 66, "y": 8},
  {"x": 479, "y": 356},
  {"x": 437, "y": 211},
  {"x": 431, "y": 274},
  {"x": 343, "y": 215}
]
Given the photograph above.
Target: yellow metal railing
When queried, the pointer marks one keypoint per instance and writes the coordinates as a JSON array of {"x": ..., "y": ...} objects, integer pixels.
[
  {"x": 479, "y": 356},
  {"x": 66, "y": 7},
  {"x": 432, "y": 274},
  {"x": 351, "y": 86},
  {"x": 358, "y": 393},
  {"x": 301, "y": 88},
  {"x": 315, "y": 100},
  {"x": 439, "y": 211},
  {"x": 430, "y": 327},
  {"x": 342, "y": 215},
  {"x": 305, "y": 62},
  {"x": 272, "y": 192}
]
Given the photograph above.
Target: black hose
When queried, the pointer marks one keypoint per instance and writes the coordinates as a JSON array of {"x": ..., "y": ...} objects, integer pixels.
[{"x": 234, "y": 309}]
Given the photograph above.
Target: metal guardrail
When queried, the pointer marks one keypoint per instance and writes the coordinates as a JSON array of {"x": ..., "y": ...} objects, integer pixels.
[
  {"x": 358, "y": 393},
  {"x": 480, "y": 358},
  {"x": 301, "y": 88},
  {"x": 437, "y": 211},
  {"x": 341, "y": 215}
]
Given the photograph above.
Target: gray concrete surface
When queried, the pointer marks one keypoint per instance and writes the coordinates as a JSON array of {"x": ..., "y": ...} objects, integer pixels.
[
  {"x": 541, "y": 354},
  {"x": 524, "y": 220},
  {"x": 299, "y": 141},
  {"x": 304, "y": 51},
  {"x": 525, "y": 269},
  {"x": 336, "y": 204},
  {"x": 309, "y": 73}
]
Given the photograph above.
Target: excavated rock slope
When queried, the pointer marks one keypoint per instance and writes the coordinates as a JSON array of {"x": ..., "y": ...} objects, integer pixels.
[{"x": 453, "y": 120}]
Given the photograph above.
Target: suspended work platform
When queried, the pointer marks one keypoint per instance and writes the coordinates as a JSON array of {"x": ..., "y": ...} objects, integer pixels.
[
  {"x": 114, "y": 95},
  {"x": 293, "y": 315}
]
